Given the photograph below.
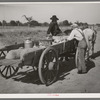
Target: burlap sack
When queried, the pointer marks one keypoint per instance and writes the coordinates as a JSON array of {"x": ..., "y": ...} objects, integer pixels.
[
  {"x": 14, "y": 54},
  {"x": 27, "y": 55}
]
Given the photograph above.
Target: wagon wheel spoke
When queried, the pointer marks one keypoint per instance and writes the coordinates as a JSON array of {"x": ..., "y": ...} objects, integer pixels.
[
  {"x": 45, "y": 75},
  {"x": 10, "y": 70},
  {"x": 52, "y": 74},
  {"x": 44, "y": 69},
  {"x": 46, "y": 58},
  {"x": 52, "y": 56},
  {"x": 7, "y": 71},
  {"x": 54, "y": 71},
  {"x": 45, "y": 64},
  {"x": 13, "y": 68},
  {"x": 50, "y": 77},
  {"x": 48, "y": 66},
  {"x": 48, "y": 74},
  {"x": 45, "y": 61},
  {"x": 49, "y": 56},
  {"x": 3, "y": 69}
]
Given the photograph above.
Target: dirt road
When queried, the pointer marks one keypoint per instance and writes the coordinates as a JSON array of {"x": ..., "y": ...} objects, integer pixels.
[{"x": 27, "y": 81}]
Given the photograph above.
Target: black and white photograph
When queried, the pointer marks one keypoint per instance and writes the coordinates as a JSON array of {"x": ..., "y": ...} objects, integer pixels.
[{"x": 49, "y": 48}]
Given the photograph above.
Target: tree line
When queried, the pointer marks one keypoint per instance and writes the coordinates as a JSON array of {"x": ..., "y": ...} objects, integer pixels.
[{"x": 36, "y": 23}]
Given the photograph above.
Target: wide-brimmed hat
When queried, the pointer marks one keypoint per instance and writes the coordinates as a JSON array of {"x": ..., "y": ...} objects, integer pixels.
[
  {"x": 54, "y": 17},
  {"x": 74, "y": 25}
]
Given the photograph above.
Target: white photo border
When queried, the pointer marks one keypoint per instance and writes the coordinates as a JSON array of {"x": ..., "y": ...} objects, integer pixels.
[{"x": 50, "y": 95}]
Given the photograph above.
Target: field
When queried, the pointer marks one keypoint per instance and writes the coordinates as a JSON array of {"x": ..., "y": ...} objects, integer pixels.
[
  {"x": 10, "y": 35},
  {"x": 68, "y": 82}
]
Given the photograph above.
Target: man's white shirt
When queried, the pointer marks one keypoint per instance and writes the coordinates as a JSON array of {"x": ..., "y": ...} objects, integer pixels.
[{"x": 75, "y": 34}]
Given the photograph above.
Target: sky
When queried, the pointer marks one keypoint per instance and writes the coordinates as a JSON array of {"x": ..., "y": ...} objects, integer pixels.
[{"x": 42, "y": 12}]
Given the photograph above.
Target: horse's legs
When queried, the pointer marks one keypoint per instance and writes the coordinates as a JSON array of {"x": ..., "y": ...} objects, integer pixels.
[{"x": 92, "y": 48}]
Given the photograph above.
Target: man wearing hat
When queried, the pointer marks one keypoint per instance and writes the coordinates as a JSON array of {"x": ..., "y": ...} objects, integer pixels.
[
  {"x": 78, "y": 34},
  {"x": 53, "y": 27}
]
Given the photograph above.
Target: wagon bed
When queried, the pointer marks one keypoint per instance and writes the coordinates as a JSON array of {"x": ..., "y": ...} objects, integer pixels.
[{"x": 46, "y": 60}]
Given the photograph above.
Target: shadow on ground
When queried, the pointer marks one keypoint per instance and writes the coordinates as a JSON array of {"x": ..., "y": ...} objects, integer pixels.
[
  {"x": 97, "y": 54},
  {"x": 65, "y": 68},
  {"x": 2, "y": 58},
  {"x": 1, "y": 35},
  {"x": 30, "y": 76},
  {"x": 90, "y": 64}
]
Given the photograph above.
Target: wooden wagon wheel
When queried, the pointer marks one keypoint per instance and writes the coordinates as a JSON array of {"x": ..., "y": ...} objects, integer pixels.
[
  {"x": 48, "y": 66},
  {"x": 77, "y": 58},
  {"x": 8, "y": 71}
]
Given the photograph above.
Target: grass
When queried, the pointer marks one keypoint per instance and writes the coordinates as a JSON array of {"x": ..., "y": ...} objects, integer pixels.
[{"x": 10, "y": 35}]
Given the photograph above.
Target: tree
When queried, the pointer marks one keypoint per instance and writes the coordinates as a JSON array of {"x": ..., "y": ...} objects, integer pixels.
[
  {"x": 18, "y": 23},
  {"x": 34, "y": 23},
  {"x": 45, "y": 24},
  {"x": 13, "y": 23},
  {"x": 81, "y": 23},
  {"x": 65, "y": 23},
  {"x": 0, "y": 23},
  {"x": 29, "y": 19},
  {"x": 4, "y": 23},
  {"x": 98, "y": 24}
]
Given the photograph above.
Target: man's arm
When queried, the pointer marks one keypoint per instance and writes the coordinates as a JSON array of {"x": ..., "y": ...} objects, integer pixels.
[{"x": 71, "y": 36}]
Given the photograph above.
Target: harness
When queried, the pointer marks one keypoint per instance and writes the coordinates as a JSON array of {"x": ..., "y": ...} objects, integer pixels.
[
  {"x": 81, "y": 33},
  {"x": 83, "y": 36}
]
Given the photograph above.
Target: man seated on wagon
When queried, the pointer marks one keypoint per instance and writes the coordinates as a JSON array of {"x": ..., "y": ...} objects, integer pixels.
[{"x": 53, "y": 27}]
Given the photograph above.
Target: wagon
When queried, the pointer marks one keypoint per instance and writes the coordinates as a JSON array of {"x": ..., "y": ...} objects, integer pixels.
[{"x": 45, "y": 59}]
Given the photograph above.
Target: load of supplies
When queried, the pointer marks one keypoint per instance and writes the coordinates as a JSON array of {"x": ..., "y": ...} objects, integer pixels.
[{"x": 30, "y": 47}]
